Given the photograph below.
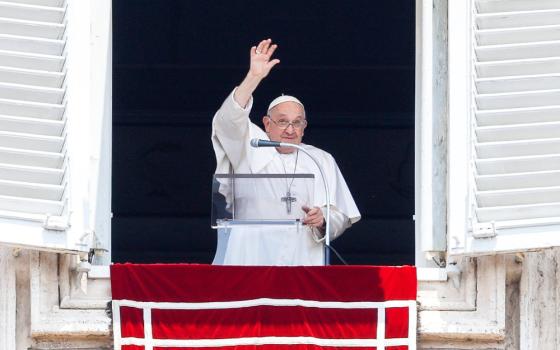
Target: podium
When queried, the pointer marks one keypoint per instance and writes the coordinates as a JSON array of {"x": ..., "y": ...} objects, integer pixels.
[
  {"x": 260, "y": 199},
  {"x": 258, "y": 218}
]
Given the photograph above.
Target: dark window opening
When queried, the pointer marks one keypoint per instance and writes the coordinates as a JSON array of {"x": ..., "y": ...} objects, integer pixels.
[{"x": 351, "y": 63}]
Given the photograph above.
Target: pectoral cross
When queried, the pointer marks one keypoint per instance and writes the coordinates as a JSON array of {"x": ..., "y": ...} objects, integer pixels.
[{"x": 288, "y": 199}]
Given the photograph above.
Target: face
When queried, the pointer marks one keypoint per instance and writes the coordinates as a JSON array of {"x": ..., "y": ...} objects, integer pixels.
[{"x": 288, "y": 112}]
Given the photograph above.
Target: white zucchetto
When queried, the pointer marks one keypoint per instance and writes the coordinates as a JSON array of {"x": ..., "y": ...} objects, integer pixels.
[{"x": 282, "y": 99}]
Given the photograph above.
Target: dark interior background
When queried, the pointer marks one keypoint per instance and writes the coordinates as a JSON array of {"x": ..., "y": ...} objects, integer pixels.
[{"x": 350, "y": 62}]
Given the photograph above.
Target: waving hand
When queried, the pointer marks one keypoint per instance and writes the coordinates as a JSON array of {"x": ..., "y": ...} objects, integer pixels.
[{"x": 260, "y": 66}]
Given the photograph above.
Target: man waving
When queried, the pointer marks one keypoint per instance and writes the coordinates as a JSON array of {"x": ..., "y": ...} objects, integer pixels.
[{"x": 285, "y": 121}]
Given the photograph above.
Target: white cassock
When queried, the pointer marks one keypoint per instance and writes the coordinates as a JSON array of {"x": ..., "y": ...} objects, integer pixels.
[{"x": 232, "y": 131}]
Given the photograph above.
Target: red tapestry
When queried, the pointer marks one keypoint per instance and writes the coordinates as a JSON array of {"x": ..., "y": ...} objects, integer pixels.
[{"x": 183, "y": 306}]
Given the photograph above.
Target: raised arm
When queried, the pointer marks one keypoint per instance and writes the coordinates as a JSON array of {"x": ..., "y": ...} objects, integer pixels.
[
  {"x": 231, "y": 125},
  {"x": 260, "y": 66}
]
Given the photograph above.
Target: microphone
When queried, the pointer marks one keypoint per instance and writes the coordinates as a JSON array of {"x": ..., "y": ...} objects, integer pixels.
[{"x": 267, "y": 143}]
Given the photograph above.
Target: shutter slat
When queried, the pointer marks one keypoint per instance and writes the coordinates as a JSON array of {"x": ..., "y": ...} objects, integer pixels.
[
  {"x": 31, "y": 174},
  {"x": 517, "y": 148},
  {"x": 518, "y": 212},
  {"x": 505, "y": 52},
  {"x": 523, "y": 196},
  {"x": 53, "y": 3},
  {"x": 30, "y": 205},
  {"x": 31, "y": 190},
  {"x": 517, "y": 115},
  {"x": 28, "y": 44},
  {"x": 518, "y": 180},
  {"x": 518, "y": 132},
  {"x": 31, "y": 12},
  {"x": 32, "y": 109},
  {"x": 31, "y": 158},
  {"x": 31, "y": 61},
  {"x": 31, "y": 93},
  {"x": 31, "y": 142},
  {"x": 31, "y": 77},
  {"x": 518, "y": 83},
  {"x": 31, "y": 125},
  {"x": 517, "y": 19},
  {"x": 485, "y": 6},
  {"x": 517, "y": 35},
  {"x": 31, "y": 28},
  {"x": 507, "y": 68},
  {"x": 510, "y": 165},
  {"x": 522, "y": 99}
]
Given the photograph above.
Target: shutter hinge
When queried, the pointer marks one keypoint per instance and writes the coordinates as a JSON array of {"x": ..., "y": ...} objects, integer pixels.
[
  {"x": 484, "y": 230},
  {"x": 56, "y": 223}
]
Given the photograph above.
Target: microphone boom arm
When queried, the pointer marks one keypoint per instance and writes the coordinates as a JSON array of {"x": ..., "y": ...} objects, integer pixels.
[{"x": 266, "y": 143}]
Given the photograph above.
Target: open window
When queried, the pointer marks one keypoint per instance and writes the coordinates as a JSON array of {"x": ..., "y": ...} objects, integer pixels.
[{"x": 360, "y": 105}]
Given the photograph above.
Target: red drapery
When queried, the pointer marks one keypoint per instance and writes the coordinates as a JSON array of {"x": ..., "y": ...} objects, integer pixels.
[{"x": 183, "y": 306}]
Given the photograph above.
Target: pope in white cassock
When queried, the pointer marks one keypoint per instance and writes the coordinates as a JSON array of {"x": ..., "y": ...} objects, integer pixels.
[{"x": 285, "y": 121}]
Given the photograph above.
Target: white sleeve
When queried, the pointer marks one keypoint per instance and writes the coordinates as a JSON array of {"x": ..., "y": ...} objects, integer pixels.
[
  {"x": 231, "y": 128},
  {"x": 338, "y": 224}
]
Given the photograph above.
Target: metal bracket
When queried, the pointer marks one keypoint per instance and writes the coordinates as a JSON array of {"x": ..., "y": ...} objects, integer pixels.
[
  {"x": 437, "y": 257},
  {"x": 96, "y": 252},
  {"x": 485, "y": 230}
]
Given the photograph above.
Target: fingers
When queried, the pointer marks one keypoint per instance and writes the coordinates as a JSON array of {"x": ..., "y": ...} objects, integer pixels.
[
  {"x": 273, "y": 63},
  {"x": 265, "y": 48},
  {"x": 260, "y": 63},
  {"x": 263, "y": 45},
  {"x": 314, "y": 216},
  {"x": 315, "y": 220},
  {"x": 315, "y": 223},
  {"x": 313, "y": 211},
  {"x": 271, "y": 50},
  {"x": 310, "y": 211}
]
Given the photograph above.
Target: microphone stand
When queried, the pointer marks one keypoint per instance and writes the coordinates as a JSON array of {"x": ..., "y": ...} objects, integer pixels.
[{"x": 260, "y": 143}]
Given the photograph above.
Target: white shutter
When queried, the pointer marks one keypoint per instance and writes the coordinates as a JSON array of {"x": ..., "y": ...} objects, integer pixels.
[
  {"x": 514, "y": 117},
  {"x": 51, "y": 124},
  {"x": 32, "y": 120}
]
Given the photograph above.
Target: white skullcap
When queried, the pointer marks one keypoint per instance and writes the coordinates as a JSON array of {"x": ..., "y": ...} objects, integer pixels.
[{"x": 282, "y": 99}]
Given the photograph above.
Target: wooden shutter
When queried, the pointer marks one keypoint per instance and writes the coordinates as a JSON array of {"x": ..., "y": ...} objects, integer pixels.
[
  {"x": 32, "y": 123},
  {"x": 34, "y": 206},
  {"x": 515, "y": 126}
]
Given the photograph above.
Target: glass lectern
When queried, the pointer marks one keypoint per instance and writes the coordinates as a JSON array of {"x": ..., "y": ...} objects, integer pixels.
[
  {"x": 259, "y": 219},
  {"x": 260, "y": 199}
]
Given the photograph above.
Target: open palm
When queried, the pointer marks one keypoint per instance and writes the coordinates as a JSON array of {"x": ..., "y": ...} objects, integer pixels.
[{"x": 260, "y": 55}]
